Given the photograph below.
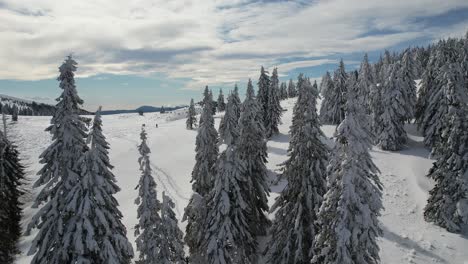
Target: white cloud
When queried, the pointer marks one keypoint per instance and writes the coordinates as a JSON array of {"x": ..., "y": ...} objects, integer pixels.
[{"x": 215, "y": 41}]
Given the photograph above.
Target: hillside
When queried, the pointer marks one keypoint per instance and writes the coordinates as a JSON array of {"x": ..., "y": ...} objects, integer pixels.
[
  {"x": 407, "y": 237},
  {"x": 27, "y": 107}
]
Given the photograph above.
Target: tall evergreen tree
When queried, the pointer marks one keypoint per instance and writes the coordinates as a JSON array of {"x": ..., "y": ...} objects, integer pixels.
[
  {"x": 365, "y": 83},
  {"x": 336, "y": 98},
  {"x": 326, "y": 87},
  {"x": 203, "y": 175},
  {"x": 172, "y": 247},
  {"x": 148, "y": 238},
  {"x": 437, "y": 106},
  {"x": 283, "y": 91},
  {"x": 262, "y": 95},
  {"x": 228, "y": 127},
  {"x": 291, "y": 89},
  {"x": 11, "y": 181},
  {"x": 14, "y": 114},
  {"x": 60, "y": 173},
  {"x": 349, "y": 214},
  {"x": 409, "y": 85},
  {"x": 253, "y": 152},
  {"x": 294, "y": 229},
  {"x": 428, "y": 84},
  {"x": 391, "y": 133},
  {"x": 274, "y": 110},
  {"x": 191, "y": 122},
  {"x": 448, "y": 201},
  {"x": 237, "y": 102},
  {"x": 221, "y": 105},
  {"x": 228, "y": 237},
  {"x": 94, "y": 230}
]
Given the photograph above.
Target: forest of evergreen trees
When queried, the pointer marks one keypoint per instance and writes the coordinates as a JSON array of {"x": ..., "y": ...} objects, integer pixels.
[{"x": 327, "y": 213}]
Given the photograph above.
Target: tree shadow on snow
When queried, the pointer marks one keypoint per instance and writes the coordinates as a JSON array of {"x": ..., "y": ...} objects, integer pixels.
[
  {"x": 412, "y": 129},
  {"x": 410, "y": 244},
  {"x": 281, "y": 138},
  {"x": 278, "y": 151}
]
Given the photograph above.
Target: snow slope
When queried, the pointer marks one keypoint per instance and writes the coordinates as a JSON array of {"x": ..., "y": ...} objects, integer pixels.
[{"x": 407, "y": 239}]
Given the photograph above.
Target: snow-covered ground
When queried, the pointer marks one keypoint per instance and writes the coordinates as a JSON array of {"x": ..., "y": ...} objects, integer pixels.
[{"x": 407, "y": 237}]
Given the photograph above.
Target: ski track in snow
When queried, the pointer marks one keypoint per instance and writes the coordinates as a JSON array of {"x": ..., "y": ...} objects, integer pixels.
[{"x": 407, "y": 237}]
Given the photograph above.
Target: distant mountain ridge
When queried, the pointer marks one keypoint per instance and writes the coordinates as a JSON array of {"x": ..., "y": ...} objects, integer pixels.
[
  {"x": 144, "y": 109},
  {"x": 24, "y": 107}
]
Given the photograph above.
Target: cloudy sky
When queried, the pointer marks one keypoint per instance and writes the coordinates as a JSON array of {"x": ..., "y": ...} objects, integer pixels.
[{"x": 154, "y": 52}]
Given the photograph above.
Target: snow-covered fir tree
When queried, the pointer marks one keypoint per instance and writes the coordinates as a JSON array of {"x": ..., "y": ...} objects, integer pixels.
[
  {"x": 94, "y": 231},
  {"x": 253, "y": 152},
  {"x": 172, "y": 246},
  {"x": 427, "y": 86},
  {"x": 365, "y": 83},
  {"x": 273, "y": 109},
  {"x": 325, "y": 83},
  {"x": 348, "y": 217},
  {"x": 448, "y": 201},
  {"x": 391, "y": 134},
  {"x": 433, "y": 119},
  {"x": 291, "y": 89},
  {"x": 208, "y": 98},
  {"x": 335, "y": 99},
  {"x": 221, "y": 105},
  {"x": 228, "y": 238},
  {"x": 262, "y": 95},
  {"x": 60, "y": 173},
  {"x": 294, "y": 227},
  {"x": 283, "y": 91},
  {"x": 409, "y": 85},
  {"x": 203, "y": 175},
  {"x": 228, "y": 127},
  {"x": 14, "y": 115},
  {"x": 147, "y": 231},
  {"x": 191, "y": 122},
  {"x": 237, "y": 102},
  {"x": 206, "y": 148},
  {"x": 11, "y": 181},
  {"x": 326, "y": 86}
]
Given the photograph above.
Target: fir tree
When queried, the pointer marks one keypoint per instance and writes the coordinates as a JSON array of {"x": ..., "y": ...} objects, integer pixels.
[
  {"x": 294, "y": 229},
  {"x": 14, "y": 114},
  {"x": 191, "y": 122},
  {"x": 365, "y": 83},
  {"x": 202, "y": 182},
  {"x": 60, "y": 173},
  {"x": 172, "y": 247},
  {"x": 390, "y": 131},
  {"x": 11, "y": 181},
  {"x": 283, "y": 91},
  {"x": 448, "y": 201},
  {"x": 228, "y": 127},
  {"x": 221, "y": 105},
  {"x": 273, "y": 109},
  {"x": 148, "y": 238},
  {"x": 236, "y": 102},
  {"x": 262, "y": 95},
  {"x": 253, "y": 152},
  {"x": 409, "y": 85},
  {"x": 428, "y": 84},
  {"x": 433, "y": 120},
  {"x": 349, "y": 214},
  {"x": 228, "y": 238},
  {"x": 326, "y": 88},
  {"x": 291, "y": 89},
  {"x": 94, "y": 231},
  {"x": 336, "y": 98}
]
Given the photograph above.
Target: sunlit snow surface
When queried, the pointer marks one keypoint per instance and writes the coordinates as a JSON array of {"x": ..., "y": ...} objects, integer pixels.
[{"x": 407, "y": 239}]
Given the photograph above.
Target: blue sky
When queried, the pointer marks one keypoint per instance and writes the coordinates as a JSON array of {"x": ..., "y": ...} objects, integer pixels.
[{"x": 155, "y": 52}]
